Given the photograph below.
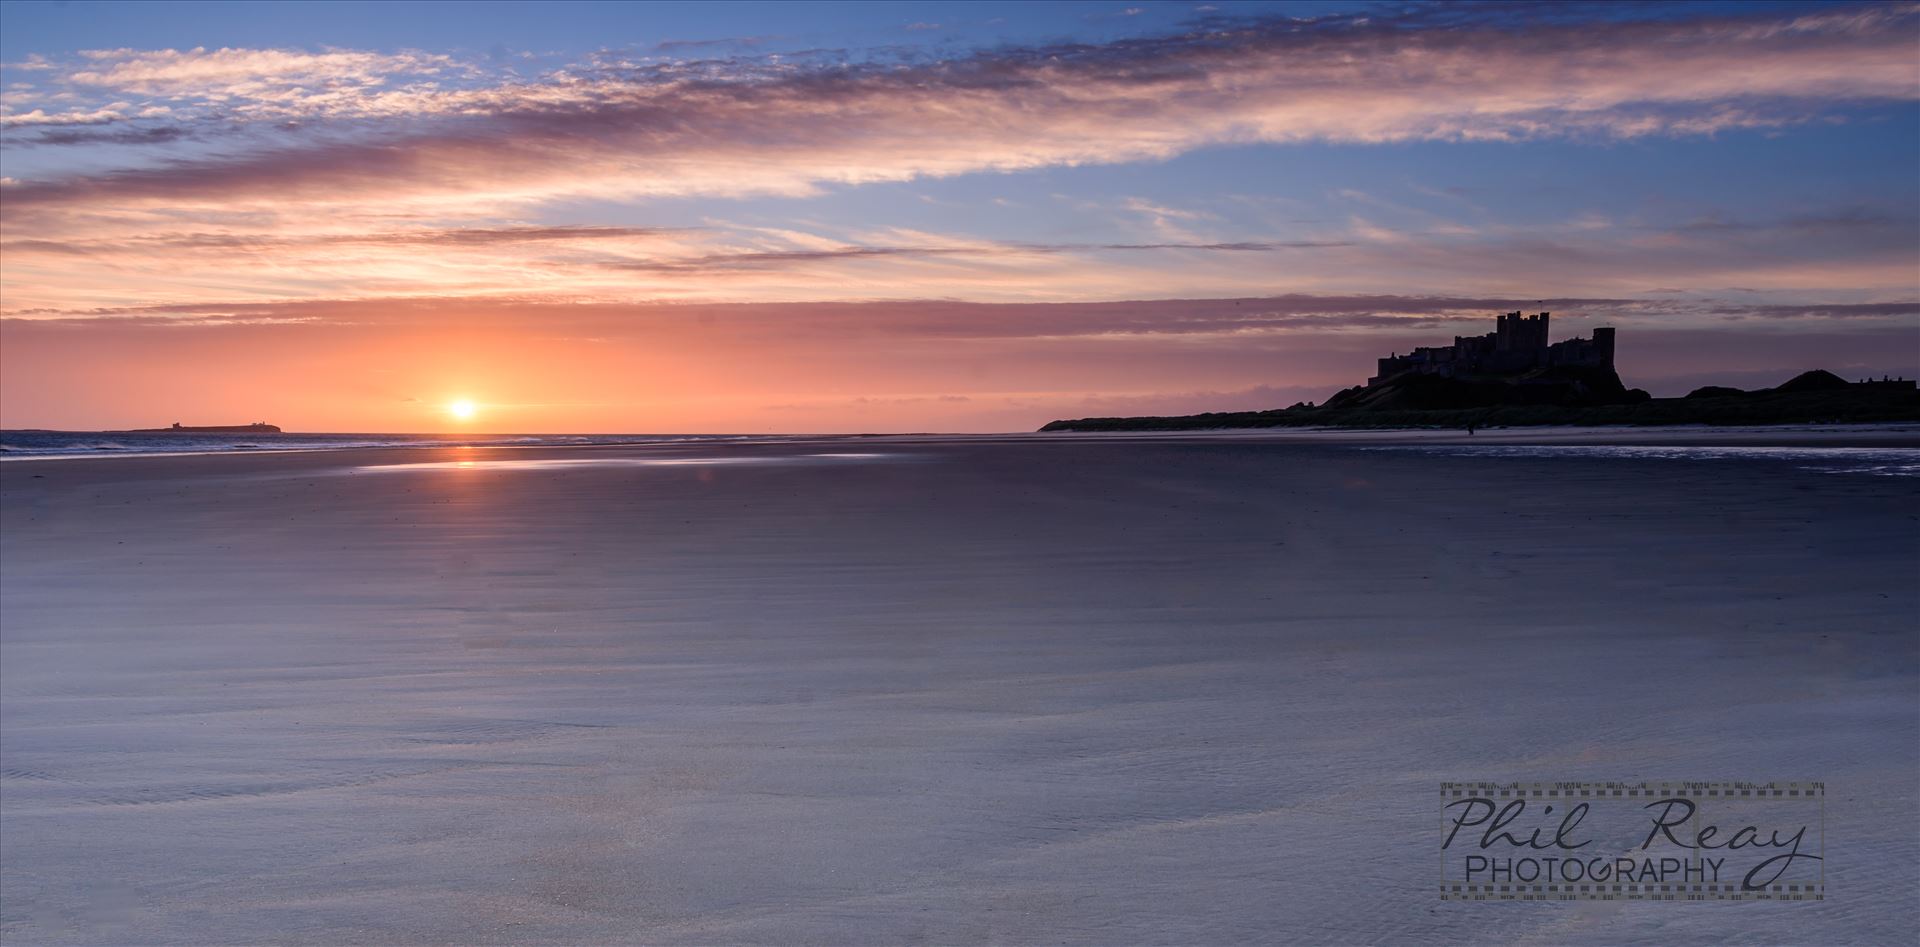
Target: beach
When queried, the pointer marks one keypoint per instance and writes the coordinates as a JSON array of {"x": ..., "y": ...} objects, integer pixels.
[{"x": 1063, "y": 689}]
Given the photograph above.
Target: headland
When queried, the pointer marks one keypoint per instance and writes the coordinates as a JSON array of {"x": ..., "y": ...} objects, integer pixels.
[
  {"x": 257, "y": 427},
  {"x": 1514, "y": 376}
]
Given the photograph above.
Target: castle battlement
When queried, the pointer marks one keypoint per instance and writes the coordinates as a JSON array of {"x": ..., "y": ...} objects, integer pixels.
[{"x": 1517, "y": 345}]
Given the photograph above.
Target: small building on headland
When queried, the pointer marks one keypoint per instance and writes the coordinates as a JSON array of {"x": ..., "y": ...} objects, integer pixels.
[
  {"x": 1886, "y": 383},
  {"x": 1517, "y": 345}
]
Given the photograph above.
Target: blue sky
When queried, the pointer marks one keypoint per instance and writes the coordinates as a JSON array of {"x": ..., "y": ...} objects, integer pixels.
[
  {"x": 575, "y": 26},
  {"x": 572, "y": 26}
]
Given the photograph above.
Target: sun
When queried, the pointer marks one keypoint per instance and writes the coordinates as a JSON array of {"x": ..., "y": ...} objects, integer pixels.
[{"x": 462, "y": 409}]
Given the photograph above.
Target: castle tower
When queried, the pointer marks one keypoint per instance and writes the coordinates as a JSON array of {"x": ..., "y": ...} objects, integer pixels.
[
  {"x": 1603, "y": 344},
  {"x": 1520, "y": 340},
  {"x": 1503, "y": 331}
]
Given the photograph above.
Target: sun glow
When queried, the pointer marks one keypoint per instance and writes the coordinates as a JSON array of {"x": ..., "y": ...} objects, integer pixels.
[{"x": 461, "y": 409}]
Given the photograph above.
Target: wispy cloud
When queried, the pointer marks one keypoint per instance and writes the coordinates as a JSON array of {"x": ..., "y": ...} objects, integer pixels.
[
  {"x": 246, "y": 74},
  {"x": 226, "y": 242},
  {"x": 740, "y": 126},
  {"x": 1836, "y": 256},
  {"x": 952, "y": 319}
]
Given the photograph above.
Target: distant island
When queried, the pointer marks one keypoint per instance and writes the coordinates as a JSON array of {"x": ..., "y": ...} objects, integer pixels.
[
  {"x": 1514, "y": 377},
  {"x": 257, "y": 427}
]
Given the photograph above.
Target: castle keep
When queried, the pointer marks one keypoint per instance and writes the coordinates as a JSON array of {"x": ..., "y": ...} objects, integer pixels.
[{"x": 1517, "y": 345}]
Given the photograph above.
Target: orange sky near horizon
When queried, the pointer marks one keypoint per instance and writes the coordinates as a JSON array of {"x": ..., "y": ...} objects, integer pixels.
[{"x": 776, "y": 368}]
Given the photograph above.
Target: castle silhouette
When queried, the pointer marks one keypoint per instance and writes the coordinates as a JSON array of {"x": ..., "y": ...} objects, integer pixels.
[{"x": 1517, "y": 345}]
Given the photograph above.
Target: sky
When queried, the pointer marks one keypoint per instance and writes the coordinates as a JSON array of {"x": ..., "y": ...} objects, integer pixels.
[{"x": 786, "y": 217}]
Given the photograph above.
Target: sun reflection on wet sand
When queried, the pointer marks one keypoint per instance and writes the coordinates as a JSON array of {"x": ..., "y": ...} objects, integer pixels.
[{"x": 554, "y": 463}]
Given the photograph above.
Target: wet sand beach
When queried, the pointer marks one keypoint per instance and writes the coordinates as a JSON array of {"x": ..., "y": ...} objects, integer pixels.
[{"x": 1186, "y": 690}]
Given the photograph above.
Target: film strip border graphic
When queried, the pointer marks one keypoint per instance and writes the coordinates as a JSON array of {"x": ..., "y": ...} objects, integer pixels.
[
  {"x": 1718, "y": 790},
  {"x": 1684, "y": 790},
  {"x": 1816, "y": 891}
]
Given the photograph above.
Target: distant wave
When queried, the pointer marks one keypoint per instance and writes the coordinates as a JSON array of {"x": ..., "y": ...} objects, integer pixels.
[
  {"x": 1875, "y": 461},
  {"x": 21, "y": 445}
]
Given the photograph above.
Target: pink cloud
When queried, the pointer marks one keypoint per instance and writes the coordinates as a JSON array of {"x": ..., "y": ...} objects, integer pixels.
[
  {"x": 135, "y": 259},
  {"x": 739, "y": 127}
]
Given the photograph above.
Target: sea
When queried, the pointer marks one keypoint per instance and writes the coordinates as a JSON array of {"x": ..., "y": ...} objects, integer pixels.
[
  {"x": 1874, "y": 461},
  {"x": 20, "y": 445},
  {"x": 30, "y": 444}
]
